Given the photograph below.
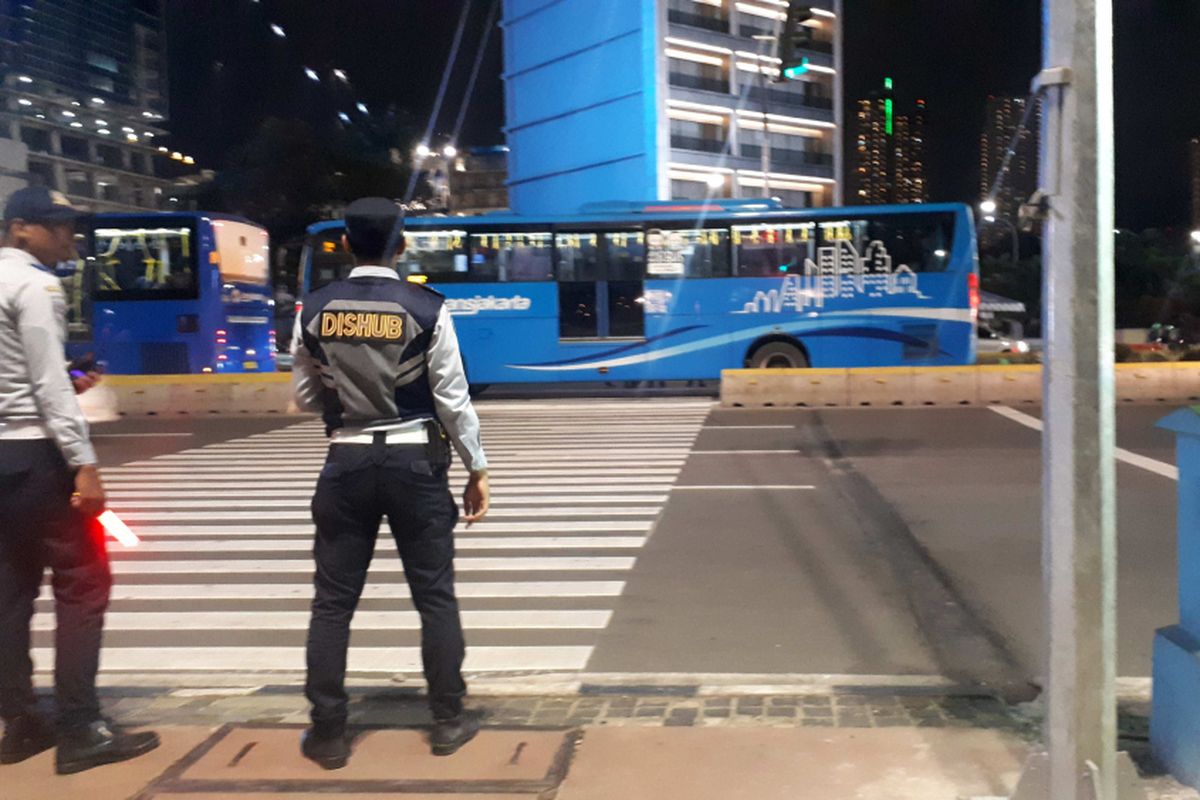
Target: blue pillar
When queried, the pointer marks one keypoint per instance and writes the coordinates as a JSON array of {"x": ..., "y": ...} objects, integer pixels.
[{"x": 1175, "y": 719}]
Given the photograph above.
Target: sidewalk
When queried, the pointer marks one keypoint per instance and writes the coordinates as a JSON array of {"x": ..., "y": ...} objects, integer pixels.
[{"x": 242, "y": 744}]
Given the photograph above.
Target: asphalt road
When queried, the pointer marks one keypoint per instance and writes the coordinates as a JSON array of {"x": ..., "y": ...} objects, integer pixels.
[{"x": 848, "y": 542}]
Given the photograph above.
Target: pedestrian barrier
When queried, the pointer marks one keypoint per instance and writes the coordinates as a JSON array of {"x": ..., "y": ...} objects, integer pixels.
[{"x": 938, "y": 386}]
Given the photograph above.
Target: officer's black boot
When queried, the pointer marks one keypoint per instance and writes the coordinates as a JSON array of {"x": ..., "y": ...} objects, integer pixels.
[
  {"x": 100, "y": 742},
  {"x": 448, "y": 735},
  {"x": 326, "y": 745},
  {"x": 26, "y": 736}
]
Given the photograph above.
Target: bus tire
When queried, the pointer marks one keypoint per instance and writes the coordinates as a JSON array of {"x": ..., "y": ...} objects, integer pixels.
[{"x": 778, "y": 355}]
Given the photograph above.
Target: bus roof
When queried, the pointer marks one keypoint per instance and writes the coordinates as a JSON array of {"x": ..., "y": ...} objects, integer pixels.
[
  {"x": 170, "y": 215},
  {"x": 660, "y": 211}
]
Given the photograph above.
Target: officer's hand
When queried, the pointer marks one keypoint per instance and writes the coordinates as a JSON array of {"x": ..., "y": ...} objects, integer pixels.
[
  {"x": 89, "y": 497},
  {"x": 84, "y": 382},
  {"x": 476, "y": 497}
]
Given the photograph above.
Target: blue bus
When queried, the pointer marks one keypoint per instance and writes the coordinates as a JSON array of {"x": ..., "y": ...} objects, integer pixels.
[
  {"x": 172, "y": 293},
  {"x": 680, "y": 291}
]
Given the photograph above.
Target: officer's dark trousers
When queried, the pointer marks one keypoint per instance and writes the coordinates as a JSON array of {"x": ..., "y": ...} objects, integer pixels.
[
  {"x": 39, "y": 529},
  {"x": 358, "y": 487}
]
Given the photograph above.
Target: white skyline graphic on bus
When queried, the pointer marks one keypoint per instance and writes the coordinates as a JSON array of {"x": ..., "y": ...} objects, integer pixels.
[{"x": 840, "y": 271}]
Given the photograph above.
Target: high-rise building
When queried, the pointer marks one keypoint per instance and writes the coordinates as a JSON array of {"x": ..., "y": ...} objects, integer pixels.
[
  {"x": 1003, "y": 119},
  {"x": 668, "y": 99},
  {"x": 889, "y": 151},
  {"x": 1194, "y": 163},
  {"x": 83, "y": 97}
]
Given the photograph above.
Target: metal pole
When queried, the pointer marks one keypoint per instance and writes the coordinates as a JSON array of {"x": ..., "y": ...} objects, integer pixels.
[{"x": 1078, "y": 510}]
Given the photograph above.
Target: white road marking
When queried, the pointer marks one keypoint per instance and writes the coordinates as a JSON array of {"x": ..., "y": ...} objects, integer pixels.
[
  {"x": 229, "y": 503},
  {"x": 380, "y": 565},
  {"x": 304, "y": 546},
  {"x": 141, "y": 435},
  {"x": 383, "y": 660},
  {"x": 1133, "y": 459},
  {"x": 266, "y": 621},
  {"x": 251, "y": 592},
  {"x": 749, "y": 488},
  {"x": 202, "y": 529},
  {"x": 300, "y": 512}
]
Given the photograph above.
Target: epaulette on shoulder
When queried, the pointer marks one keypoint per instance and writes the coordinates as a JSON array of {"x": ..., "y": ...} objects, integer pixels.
[{"x": 428, "y": 288}]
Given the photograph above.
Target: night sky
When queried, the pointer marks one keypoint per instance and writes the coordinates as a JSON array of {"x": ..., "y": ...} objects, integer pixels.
[{"x": 228, "y": 72}]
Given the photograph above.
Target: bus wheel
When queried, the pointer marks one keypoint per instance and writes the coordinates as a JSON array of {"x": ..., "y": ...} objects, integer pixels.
[{"x": 778, "y": 355}]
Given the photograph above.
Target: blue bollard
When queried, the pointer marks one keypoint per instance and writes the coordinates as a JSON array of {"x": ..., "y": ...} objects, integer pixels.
[{"x": 1175, "y": 717}]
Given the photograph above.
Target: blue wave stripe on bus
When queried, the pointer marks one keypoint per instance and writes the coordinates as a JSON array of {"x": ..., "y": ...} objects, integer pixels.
[
  {"x": 622, "y": 349},
  {"x": 805, "y": 327}
]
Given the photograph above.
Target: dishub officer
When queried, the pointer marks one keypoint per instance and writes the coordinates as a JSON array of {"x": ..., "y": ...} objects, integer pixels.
[
  {"x": 50, "y": 494},
  {"x": 378, "y": 356}
]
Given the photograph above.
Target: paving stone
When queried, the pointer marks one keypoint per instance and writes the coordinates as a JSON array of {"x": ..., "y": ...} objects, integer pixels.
[{"x": 721, "y": 713}]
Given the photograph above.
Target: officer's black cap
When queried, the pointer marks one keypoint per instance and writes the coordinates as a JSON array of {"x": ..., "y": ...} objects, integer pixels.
[
  {"x": 39, "y": 204},
  {"x": 369, "y": 225}
]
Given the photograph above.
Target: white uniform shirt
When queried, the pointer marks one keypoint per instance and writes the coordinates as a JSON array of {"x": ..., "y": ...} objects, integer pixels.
[{"x": 37, "y": 400}]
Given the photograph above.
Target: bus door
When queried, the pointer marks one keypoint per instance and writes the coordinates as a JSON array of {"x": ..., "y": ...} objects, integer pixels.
[{"x": 601, "y": 281}]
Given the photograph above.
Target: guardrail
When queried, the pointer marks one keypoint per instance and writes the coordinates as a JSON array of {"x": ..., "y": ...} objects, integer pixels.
[{"x": 941, "y": 386}]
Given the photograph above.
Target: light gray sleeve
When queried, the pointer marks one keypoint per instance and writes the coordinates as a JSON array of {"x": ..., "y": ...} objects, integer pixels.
[
  {"x": 448, "y": 380},
  {"x": 306, "y": 372},
  {"x": 41, "y": 313}
]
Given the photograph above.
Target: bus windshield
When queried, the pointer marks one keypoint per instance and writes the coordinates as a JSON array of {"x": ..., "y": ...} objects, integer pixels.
[{"x": 142, "y": 260}]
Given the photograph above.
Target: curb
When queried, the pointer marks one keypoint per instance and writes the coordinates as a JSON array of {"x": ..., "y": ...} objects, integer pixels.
[{"x": 1018, "y": 384}]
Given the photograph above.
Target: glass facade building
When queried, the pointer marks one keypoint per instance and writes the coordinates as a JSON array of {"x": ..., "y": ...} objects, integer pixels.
[{"x": 668, "y": 99}]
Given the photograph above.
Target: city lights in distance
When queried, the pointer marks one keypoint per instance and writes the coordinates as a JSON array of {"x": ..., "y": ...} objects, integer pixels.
[
  {"x": 69, "y": 114},
  {"x": 940, "y": 253},
  {"x": 1196, "y": 237},
  {"x": 98, "y": 101},
  {"x": 449, "y": 151},
  {"x": 131, "y": 137},
  {"x": 278, "y": 31},
  {"x": 177, "y": 156},
  {"x": 343, "y": 116},
  {"x": 163, "y": 150},
  {"x": 76, "y": 124},
  {"x": 362, "y": 107},
  {"x": 423, "y": 150},
  {"x": 189, "y": 160},
  {"x": 24, "y": 102},
  {"x": 25, "y": 79},
  {"x": 988, "y": 207},
  {"x": 341, "y": 75},
  {"x": 104, "y": 131},
  {"x": 312, "y": 74}
]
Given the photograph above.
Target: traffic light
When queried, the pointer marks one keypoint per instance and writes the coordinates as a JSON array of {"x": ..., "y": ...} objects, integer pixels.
[{"x": 795, "y": 37}]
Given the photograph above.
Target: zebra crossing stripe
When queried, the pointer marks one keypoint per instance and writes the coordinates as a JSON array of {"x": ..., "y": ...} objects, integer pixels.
[
  {"x": 251, "y": 592},
  {"x": 303, "y": 546},
  {"x": 380, "y": 660},
  {"x": 190, "y": 620},
  {"x": 379, "y": 567}
]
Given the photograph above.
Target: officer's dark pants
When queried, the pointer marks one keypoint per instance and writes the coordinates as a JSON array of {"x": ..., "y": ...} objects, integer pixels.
[
  {"x": 359, "y": 485},
  {"x": 39, "y": 529}
]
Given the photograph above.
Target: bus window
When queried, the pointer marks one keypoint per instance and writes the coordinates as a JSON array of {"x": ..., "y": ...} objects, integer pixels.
[
  {"x": 243, "y": 251},
  {"x": 626, "y": 273},
  {"x": 512, "y": 257},
  {"x": 763, "y": 251},
  {"x": 688, "y": 253},
  {"x": 921, "y": 242},
  {"x": 439, "y": 255},
  {"x": 601, "y": 284},
  {"x": 578, "y": 257},
  {"x": 329, "y": 260},
  {"x": 144, "y": 263}
]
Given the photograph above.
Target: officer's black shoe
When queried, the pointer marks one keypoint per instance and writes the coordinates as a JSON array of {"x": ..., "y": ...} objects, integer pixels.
[
  {"x": 448, "y": 735},
  {"x": 328, "y": 748},
  {"x": 99, "y": 743},
  {"x": 25, "y": 737}
]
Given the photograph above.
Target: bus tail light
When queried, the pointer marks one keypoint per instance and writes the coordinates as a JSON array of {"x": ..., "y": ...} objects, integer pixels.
[{"x": 973, "y": 294}]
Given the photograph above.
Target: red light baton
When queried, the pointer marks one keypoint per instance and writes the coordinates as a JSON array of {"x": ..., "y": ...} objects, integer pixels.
[{"x": 116, "y": 528}]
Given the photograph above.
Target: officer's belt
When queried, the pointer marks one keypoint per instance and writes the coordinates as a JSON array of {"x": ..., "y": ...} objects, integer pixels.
[{"x": 403, "y": 436}]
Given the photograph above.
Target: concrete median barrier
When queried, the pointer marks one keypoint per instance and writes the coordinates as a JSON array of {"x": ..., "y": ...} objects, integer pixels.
[
  {"x": 171, "y": 395},
  {"x": 923, "y": 386}
]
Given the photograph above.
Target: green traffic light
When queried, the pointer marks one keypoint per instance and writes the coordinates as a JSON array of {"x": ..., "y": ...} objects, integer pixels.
[{"x": 795, "y": 71}]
